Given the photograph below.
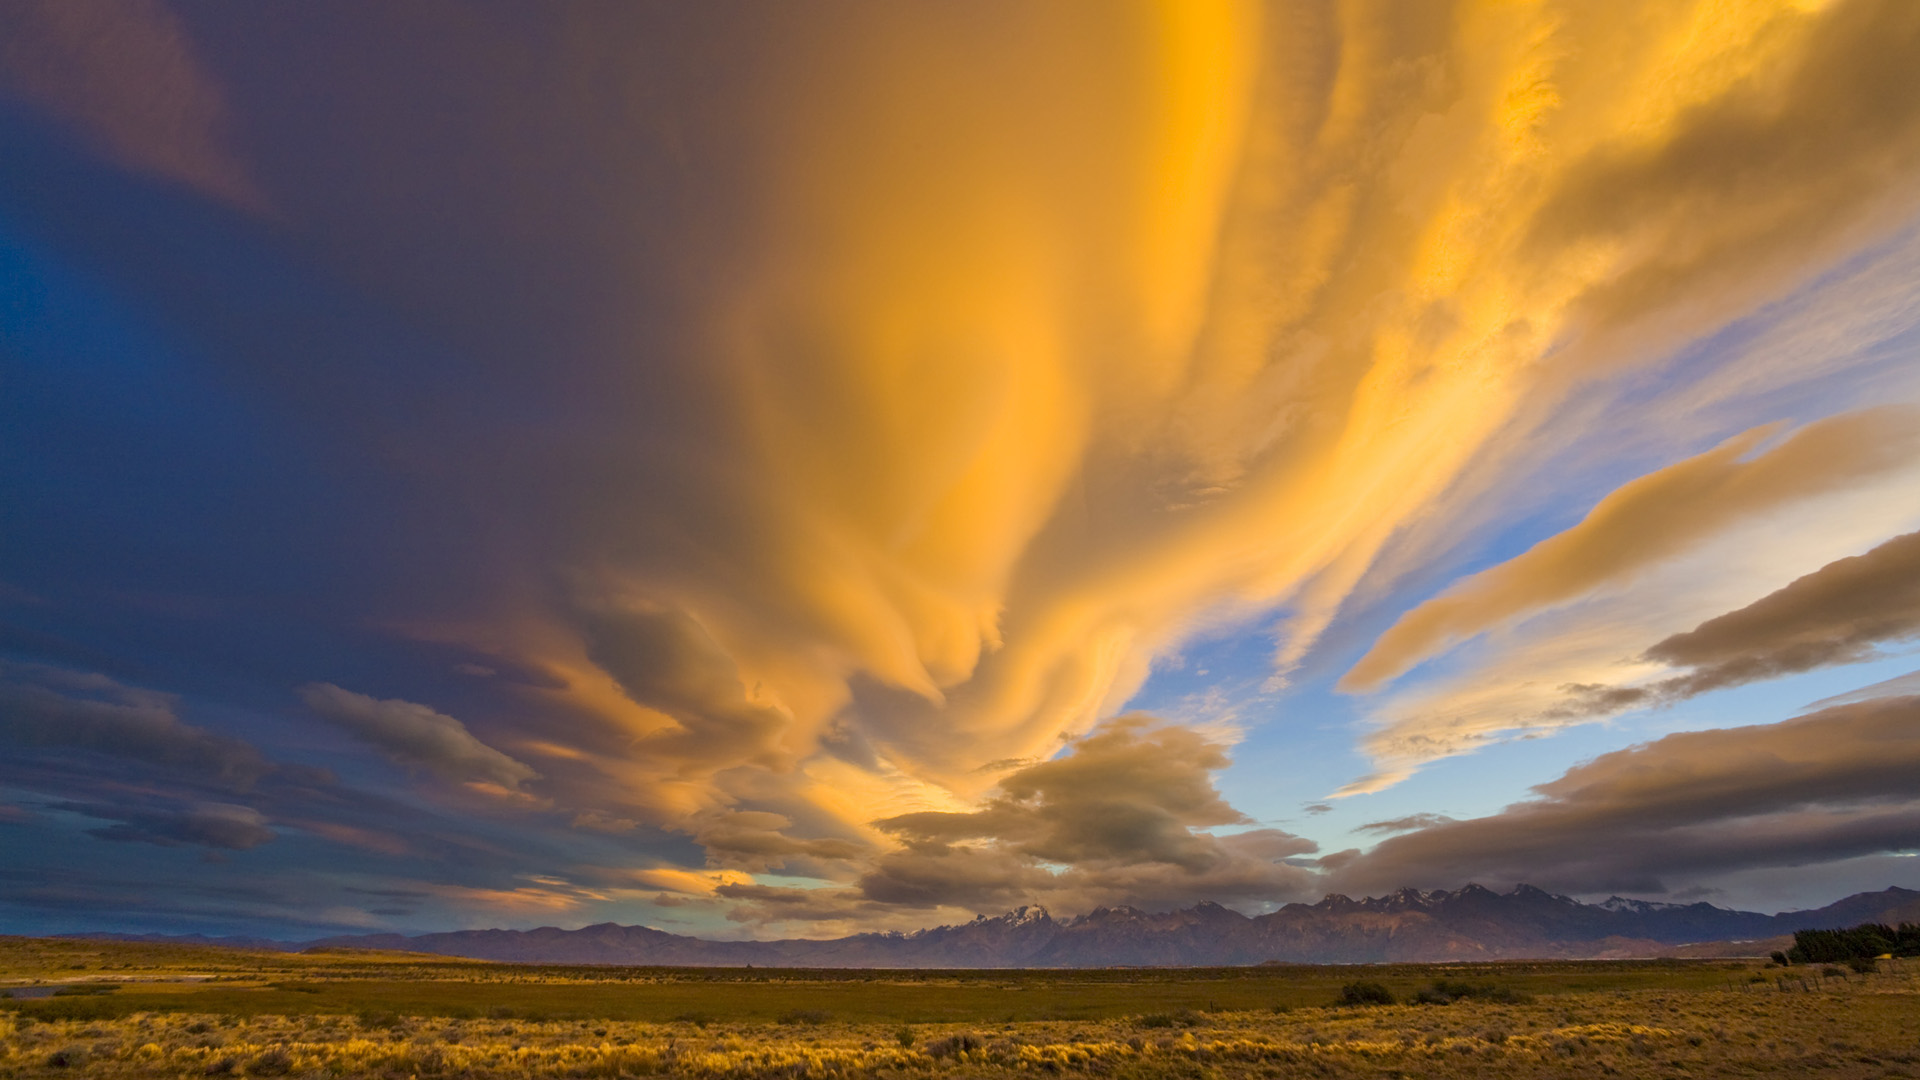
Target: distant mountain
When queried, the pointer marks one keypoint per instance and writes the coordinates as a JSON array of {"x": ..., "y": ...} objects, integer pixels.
[
  {"x": 250, "y": 944},
  {"x": 1472, "y": 923}
]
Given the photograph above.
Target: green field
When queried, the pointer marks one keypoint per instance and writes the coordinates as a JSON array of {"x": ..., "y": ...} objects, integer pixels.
[{"x": 156, "y": 978}]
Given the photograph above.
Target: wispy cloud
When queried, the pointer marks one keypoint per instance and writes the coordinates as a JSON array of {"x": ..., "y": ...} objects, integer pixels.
[
  {"x": 213, "y": 825},
  {"x": 1646, "y": 522},
  {"x": 1613, "y": 650}
]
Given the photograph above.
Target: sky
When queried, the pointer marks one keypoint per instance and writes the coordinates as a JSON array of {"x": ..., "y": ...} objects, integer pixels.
[{"x": 763, "y": 469}]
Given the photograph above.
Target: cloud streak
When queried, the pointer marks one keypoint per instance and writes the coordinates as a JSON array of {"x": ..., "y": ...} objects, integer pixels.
[
  {"x": 1835, "y": 615},
  {"x": 1839, "y": 614},
  {"x": 53, "y": 708},
  {"x": 1645, "y": 522},
  {"x": 414, "y": 734},
  {"x": 210, "y": 825},
  {"x": 1832, "y": 785}
]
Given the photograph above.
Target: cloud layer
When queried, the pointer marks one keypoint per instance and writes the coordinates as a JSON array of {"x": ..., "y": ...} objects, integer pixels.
[
  {"x": 1836, "y": 784},
  {"x": 776, "y": 444},
  {"x": 1123, "y": 816}
]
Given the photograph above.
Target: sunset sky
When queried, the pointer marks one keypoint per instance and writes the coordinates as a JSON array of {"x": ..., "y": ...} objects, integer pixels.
[{"x": 789, "y": 469}]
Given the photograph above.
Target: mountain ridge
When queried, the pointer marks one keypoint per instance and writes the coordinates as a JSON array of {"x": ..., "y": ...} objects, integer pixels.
[{"x": 1471, "y": 923}]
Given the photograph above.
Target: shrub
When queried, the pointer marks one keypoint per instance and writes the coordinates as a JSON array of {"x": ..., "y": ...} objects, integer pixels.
[
  {"x": 806, "y": 1016},
  {"x": 632, "y": 1061},
  {"x": 86, "y": 989},
  {"x": 1365, "y": 993},
  {"x": 1443, "y": 992},
  {"x": 1778, "y": 957},
  {"x": 1864, "y": 965},
  {"x": 955, "y": 1044}
]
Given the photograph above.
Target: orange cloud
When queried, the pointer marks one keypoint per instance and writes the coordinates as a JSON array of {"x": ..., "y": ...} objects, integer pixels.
[
  {"x": 548, "y": 896},
  {"x": 695, "y": 882}
]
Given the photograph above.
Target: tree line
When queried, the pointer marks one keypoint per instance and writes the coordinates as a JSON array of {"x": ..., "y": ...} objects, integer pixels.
[{"x": 1863, "y": 942}]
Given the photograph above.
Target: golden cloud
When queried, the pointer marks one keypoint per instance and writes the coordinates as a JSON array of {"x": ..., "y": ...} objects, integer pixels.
[
  {"x": 1057, "y": 351},
  {"x": 1062, "y": 348}
]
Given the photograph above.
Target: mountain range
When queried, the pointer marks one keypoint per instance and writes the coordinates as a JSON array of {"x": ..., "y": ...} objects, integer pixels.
[{"x": 1473, "y": 923}]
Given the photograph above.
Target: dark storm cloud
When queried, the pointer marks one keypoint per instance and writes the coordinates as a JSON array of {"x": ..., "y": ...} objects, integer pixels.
[{"x": 1835, "y": 784}]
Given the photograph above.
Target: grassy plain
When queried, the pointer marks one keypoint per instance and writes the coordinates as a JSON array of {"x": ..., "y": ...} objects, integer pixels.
[{"x": 131, "y": 1010}]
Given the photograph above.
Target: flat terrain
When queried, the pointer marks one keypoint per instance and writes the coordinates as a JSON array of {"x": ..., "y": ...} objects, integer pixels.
[{"x": 111, "y": 1009}]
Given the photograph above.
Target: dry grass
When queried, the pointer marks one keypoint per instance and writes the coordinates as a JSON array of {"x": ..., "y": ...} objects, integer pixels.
[{"x": 1709, "y": 1022}]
